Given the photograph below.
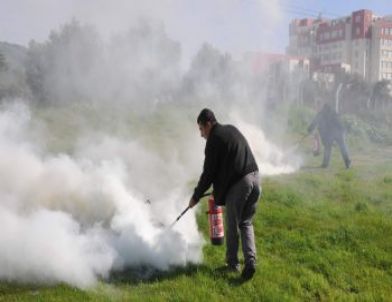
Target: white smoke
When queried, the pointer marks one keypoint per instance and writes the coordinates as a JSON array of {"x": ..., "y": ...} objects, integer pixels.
[
  {"x": 271, "y": 158},
  {"x": 105, "y": 205},
  {"x": 232, "y": 25},
  {"x": 89, "y": 185},
  {"x": 75, "y": 218}
]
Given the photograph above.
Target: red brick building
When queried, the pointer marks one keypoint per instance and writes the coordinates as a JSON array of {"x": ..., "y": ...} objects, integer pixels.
[{"x": 360, "y": 43}]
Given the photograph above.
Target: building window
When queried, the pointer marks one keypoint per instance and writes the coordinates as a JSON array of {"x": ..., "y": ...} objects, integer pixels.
[
  {"x": 358, "y": 30},
  {"x": 358, "y": 19}
]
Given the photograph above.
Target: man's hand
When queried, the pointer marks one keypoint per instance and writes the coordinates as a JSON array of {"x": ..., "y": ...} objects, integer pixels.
[{"x": 192, "y": 203}]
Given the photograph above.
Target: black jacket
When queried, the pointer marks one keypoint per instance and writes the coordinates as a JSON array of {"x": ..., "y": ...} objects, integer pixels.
[
  {"x": 328, "y": 124},
  {"x": 227, "y": 159}
]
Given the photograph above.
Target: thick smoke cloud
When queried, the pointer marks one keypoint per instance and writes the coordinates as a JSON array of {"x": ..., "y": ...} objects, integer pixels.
[
  {"x": 106, "y": 154},
  {"x": 75, "y": 218}
]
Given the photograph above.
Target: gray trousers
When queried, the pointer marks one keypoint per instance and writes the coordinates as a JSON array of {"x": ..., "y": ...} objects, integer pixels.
[
  {"x": 343, "y": 150},
  {"x": 241, "y": 201}
]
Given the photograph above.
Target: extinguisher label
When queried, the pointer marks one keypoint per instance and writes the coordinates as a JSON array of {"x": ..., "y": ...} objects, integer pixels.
[
  {"x": 217, "y": 232},
  {"x": 217, "y": 225}
]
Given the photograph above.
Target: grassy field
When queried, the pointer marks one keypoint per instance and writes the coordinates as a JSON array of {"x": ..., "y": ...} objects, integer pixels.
[{"x": 322, "y": 235}]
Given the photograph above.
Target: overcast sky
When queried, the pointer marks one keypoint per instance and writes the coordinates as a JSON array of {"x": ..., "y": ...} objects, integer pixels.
[{"x": 230, "y": 25}]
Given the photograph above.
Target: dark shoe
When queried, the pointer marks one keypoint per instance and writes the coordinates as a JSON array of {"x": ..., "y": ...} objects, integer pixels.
[
  {"x": 235, "y": 268},
  {"x": 248, "y": 271},
  {"x": 228, "y": 268},
  {"x": 348, "y": 164}
]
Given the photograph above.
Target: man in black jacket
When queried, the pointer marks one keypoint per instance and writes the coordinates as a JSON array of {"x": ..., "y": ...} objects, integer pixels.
[
  {"x": 331, "y": 130},
  {"x": 230, "y": 167}
]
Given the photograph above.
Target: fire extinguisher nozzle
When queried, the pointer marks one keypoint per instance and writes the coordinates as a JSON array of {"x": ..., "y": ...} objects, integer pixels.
[{"x": 179, "y": 217}]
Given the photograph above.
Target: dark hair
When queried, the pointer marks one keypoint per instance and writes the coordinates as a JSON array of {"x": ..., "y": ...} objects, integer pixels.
[{"x": 206, "y": 115}]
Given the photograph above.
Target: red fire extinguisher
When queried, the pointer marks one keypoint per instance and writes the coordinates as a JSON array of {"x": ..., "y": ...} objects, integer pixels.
[{"x": 215, "y": 219}]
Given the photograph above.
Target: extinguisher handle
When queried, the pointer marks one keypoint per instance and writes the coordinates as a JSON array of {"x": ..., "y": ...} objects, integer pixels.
[{"x": 206, "y": 194}]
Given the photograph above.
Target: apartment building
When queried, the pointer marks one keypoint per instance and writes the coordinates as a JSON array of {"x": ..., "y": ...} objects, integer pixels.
[
  {"x": 360, "y": 43},
  {"x": 382, "y": 48}
]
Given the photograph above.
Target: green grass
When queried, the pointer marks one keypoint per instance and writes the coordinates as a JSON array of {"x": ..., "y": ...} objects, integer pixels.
[{"x": 321, "y": 235}]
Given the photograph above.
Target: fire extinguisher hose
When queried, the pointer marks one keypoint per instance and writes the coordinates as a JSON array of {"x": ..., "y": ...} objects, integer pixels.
[{"x": 187, "y": 208}]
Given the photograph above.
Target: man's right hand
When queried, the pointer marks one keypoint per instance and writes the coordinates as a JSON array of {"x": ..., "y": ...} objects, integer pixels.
[{"x": 192, "y": 203}]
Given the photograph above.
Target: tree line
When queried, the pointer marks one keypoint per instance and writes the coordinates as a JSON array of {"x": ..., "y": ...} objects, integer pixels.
[{"x": 144, "y": 65}]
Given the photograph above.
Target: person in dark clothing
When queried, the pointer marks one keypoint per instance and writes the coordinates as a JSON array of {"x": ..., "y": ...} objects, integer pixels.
[
  {"x": 331, "y": 130},
  {"x": 230, "y": 167}
]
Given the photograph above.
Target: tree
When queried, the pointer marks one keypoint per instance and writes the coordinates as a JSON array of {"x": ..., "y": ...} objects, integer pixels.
[
  {"x": 381, "y": 95},
  {"x": 3, "y": 64},
  {"x": 75, "y": 65},
  {"x": 211, "y": 74},
  {"x": 144, "y": 64},
  {"x": 63, "y": 68},
  {"x": 350, "y": 92}
]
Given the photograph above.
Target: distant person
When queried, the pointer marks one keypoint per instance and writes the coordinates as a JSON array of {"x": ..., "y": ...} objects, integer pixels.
[
  {"x": 230, "y": 167},
  {"x": 331, "y": 130}
]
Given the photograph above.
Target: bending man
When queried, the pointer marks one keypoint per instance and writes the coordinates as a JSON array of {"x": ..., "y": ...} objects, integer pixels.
[{"x": 230, "y": 167}]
